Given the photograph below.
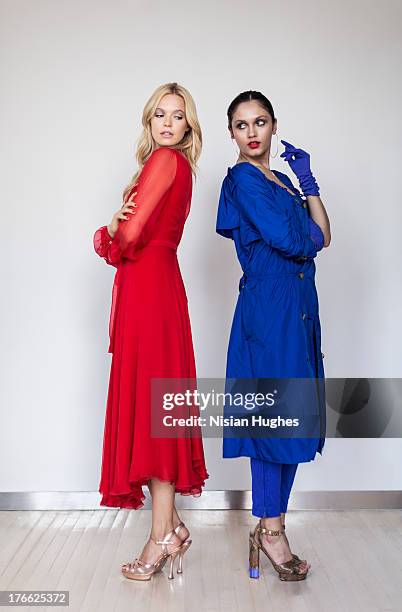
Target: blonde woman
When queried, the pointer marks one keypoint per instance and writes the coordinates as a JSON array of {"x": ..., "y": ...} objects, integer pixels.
[{"x": 149, "y": 329}]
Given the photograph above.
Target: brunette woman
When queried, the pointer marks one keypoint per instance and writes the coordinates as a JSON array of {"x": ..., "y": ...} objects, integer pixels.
[{"x": 276, "y": 332}]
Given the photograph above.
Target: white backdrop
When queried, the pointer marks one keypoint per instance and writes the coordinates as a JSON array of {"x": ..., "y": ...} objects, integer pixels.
[{"x": 75, "y": 79}]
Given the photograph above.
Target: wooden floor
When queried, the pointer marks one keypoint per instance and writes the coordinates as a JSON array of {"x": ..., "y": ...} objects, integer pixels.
[{"x": 356, "y": 559}]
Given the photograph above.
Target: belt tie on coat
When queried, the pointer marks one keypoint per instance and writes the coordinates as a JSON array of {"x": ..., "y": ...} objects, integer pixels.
[{"x": 302, "y": 275}]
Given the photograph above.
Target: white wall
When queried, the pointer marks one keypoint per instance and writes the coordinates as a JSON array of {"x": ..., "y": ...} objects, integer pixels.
[{"x": 75, "y": 78}]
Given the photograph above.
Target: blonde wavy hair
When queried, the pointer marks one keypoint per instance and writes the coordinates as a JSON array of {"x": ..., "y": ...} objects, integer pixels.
[{"x": 191, "y": 143}]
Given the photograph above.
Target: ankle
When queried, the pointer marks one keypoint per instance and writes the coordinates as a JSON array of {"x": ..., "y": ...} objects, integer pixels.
[
  {"x": 176, "y": 522},
  {"x": 160, "y": 532},
  {"x": 273, "y": 524},
  {"x": 273, "y": 539},
  {"x": 176, "y": 519}
]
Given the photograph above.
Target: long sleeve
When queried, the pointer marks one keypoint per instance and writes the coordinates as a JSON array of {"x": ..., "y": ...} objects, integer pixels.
[
  {"x": 103, "y": 246},
  {"x": 257, "y": 203},
  {"x": 154, "y": 182}
]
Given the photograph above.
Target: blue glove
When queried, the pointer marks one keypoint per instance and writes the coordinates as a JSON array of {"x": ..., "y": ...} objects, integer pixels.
[{"x": 299, "y": 161}]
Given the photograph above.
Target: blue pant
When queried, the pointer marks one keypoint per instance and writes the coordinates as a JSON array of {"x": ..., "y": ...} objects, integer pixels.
[{"x": 271, "y": 485}]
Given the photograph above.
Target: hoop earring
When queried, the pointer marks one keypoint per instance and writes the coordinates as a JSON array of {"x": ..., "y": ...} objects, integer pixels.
[{"x": 277, "y": 146}]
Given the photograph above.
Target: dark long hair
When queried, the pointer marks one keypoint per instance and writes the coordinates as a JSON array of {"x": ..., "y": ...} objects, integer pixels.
[{"x": 246, "y": 96}]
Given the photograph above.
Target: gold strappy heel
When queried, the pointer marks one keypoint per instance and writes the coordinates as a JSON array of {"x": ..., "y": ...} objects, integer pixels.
[
  {"x": 139, "y": 570},
  {"x": 295, "y": 557},
  {"x": 185, "y": 545},
  {"x": 288, "y": 571}
]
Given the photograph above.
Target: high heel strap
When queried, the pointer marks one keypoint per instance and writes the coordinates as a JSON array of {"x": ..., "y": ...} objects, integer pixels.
[
  {"x": 272, "y": 532},
  {"x": 165, "y": 542},
  {"x": 179, "y": 527},
  {"x": 173, "y": 554},
  {"x": 295, "y": 557}
]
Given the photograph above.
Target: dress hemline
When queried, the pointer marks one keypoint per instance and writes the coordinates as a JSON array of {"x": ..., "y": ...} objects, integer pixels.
[{"x": 134, "y": 498}]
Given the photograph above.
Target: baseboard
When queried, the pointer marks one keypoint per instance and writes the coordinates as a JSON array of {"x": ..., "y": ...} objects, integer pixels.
[{"x": 209, "y": 500}]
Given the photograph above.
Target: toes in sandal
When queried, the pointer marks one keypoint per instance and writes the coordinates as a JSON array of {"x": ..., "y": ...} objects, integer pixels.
[
  {"x": 139, "y": 570},
  {"x": 295, "y": 557}
]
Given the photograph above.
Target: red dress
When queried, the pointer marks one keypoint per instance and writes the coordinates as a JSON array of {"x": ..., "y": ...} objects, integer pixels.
[{"x": 150, "y": 336}]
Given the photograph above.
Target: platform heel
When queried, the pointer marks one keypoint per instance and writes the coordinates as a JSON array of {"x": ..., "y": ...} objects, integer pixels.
[
  {"x": 254, "y": 557},
  {"x": 287, "y": 571}
]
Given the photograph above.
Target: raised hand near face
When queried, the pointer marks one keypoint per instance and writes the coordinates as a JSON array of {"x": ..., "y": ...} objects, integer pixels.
[{"x": 299, "y": 161}]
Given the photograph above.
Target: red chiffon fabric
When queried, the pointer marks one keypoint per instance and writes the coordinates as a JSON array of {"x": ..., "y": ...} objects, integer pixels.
[{"x": 150, "y": 336}]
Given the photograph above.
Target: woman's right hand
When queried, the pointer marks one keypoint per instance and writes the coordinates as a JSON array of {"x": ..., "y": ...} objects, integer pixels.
[{"x": 120, "y": 215}]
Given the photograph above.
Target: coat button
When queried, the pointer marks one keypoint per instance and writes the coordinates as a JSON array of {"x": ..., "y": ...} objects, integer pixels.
[
  {"x": 303, "y": 315},
  {"x": 304, "y": 205},
  {"x": 301, "y": 275},
  {"x": 322, "y": 355}
]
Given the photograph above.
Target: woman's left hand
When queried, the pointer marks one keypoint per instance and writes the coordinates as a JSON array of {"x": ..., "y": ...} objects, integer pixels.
[{"x": 299, "y": 161}]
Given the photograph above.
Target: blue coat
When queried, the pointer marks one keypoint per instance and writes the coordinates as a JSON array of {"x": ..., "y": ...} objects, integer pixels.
[{"x": 276, "y": 328}]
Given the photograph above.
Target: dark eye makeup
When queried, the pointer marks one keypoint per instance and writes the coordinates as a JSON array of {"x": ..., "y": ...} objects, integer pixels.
[{"x": 258, "y": 121}]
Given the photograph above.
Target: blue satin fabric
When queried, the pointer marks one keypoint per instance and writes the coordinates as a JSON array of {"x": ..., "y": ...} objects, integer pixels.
[{"x": 276, "y": 327}]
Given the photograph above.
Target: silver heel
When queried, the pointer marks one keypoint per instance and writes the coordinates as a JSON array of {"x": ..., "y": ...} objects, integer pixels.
[
  {"x": 186, "y": 545},
  {"x": 180, "y": 566},
  {"x": 172, "y": 558}
]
